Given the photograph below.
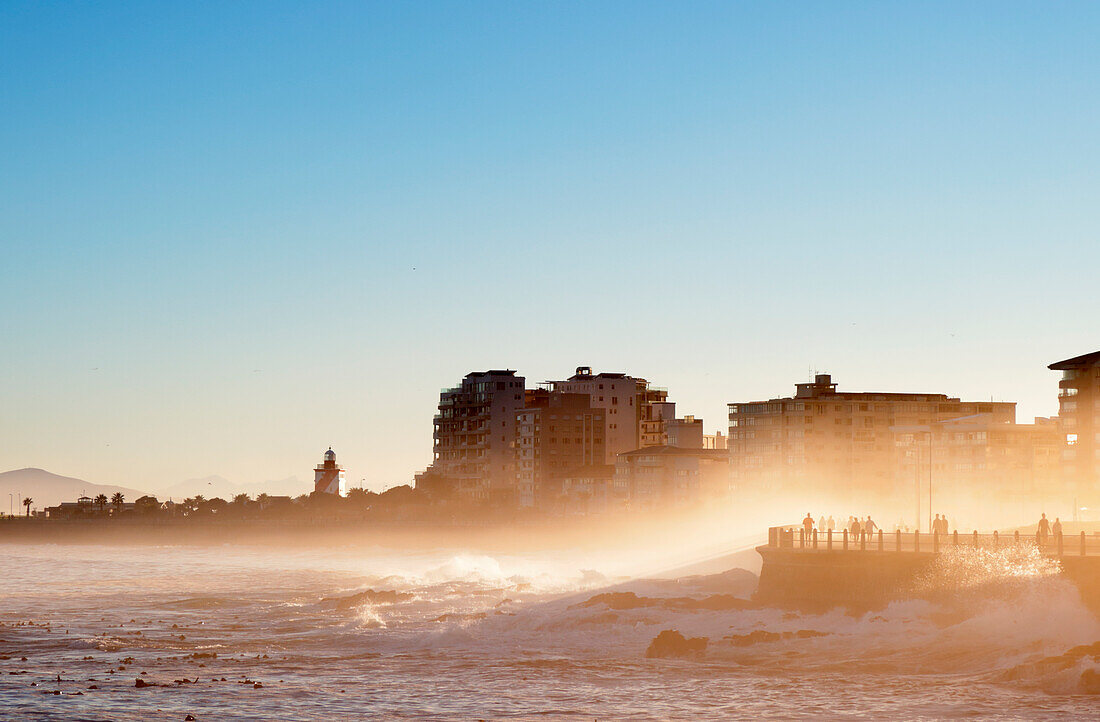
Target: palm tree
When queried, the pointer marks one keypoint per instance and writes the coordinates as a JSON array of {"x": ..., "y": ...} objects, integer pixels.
[
  {"x": 101, "y": 501},
  {"x": 241, "y": 499},
  {"x": 117, "y": 500},
  {"x": 27, "y": 503}
]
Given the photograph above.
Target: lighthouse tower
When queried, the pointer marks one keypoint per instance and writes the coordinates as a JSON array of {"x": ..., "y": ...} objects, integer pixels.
[{"x": 328, "y": 477}]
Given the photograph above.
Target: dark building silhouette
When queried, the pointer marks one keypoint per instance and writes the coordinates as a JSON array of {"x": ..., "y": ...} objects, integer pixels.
[
  {"x": 474, "y": 433},
  {"x": 556, "y": 434},
  {"x": 1079, "y": 415}
]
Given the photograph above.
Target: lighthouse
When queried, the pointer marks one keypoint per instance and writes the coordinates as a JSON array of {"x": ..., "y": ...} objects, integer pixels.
[{"x": 328, "y": 477}]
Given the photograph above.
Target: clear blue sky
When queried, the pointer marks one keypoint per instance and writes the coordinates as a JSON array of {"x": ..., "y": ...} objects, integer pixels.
[{"x": 235, "y": 233}]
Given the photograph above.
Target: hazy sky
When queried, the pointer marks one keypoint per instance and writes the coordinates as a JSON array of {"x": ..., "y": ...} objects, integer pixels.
[{"x": 233, "y": 234}]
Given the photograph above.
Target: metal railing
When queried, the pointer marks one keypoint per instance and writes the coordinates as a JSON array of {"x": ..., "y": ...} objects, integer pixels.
[{"x": 1058, "y": 544}]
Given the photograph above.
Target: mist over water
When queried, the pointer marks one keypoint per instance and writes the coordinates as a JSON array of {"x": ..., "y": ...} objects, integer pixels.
[{"x": 454, "y": 634}]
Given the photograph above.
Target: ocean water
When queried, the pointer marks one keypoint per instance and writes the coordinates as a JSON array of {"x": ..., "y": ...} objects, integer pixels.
[{"x": 473, "y": 636}]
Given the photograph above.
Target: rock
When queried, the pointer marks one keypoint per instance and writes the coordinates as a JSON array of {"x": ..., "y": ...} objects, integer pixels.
[
  {"x": 671, "y": 643},
  {"x": 1090, "y": 682},
  {"x": 460, "y": 617},
  {"x": 620, "y": 601},
  {"x": 385, "y": 596},
  {"x": 1089, "y": 650},
  {"x": 617, "y": 601},
  {"x": 713, "y": 603},
  {"x": 93, "y": 686},
  {"x": 141, "y": 683},
  {"x": 189, "y": 718},
  {"x": 761, "y": 635}
]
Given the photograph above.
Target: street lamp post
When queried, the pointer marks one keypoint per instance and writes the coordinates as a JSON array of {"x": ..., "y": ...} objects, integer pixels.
[
  {"x": 916, "y": 478},
  {"x": 930, "y": 478}
]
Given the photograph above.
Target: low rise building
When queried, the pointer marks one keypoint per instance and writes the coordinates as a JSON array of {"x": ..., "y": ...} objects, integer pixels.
[
  {"x": 686, "y": 433},
  {"x": 662, "y": 477},
  {"x": 714, "y": 441}
]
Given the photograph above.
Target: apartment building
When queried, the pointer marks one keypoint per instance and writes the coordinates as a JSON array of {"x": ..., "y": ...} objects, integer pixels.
[
  {"x": 1079, "y": 417},
  {"x": 557, "y": 434},
  {"x": 996, "y": 471},
  {"x": 636, "y": 413},
  {"x": 834, "y": 444},
  {"x": 475, "y": 428}
]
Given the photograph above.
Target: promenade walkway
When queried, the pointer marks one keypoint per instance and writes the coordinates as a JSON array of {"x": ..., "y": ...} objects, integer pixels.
[{"x": 1055, "y": 545}]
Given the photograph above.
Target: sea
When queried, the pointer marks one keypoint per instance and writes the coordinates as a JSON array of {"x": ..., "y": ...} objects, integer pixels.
[{"x": 230, "y": 632}]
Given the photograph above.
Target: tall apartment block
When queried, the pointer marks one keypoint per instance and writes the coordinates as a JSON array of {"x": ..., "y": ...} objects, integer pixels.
[
  {"x": 636, "y": 412},
  {"x": 557, "y": 435},
  {"x": 1079, "y": 416},
  {"x": 474, "y": 434},
  {"x": 834, "y": 443}
]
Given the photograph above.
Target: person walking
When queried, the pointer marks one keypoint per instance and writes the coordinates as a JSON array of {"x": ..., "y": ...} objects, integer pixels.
[
  {"x": 1056, "y": 527},
  {"x": 808, "y": 525},
  {"x": 830, "y": 523},
  {"x": 869, "y": 526},
  {"x": 1044, "y": 529}
]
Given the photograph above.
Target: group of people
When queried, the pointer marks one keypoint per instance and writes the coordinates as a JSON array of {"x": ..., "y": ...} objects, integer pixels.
[
  {"x": 867, "y": 526},
  {"x": 855, "y": 525},
  {"x": 1045, "y": 528},
  {"x": 940, "y": 525}
]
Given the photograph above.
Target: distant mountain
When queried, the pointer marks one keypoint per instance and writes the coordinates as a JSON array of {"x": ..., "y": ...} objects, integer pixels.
[
  {"x": 50, "y": 489},
  {"x": 212, "y": 486}
]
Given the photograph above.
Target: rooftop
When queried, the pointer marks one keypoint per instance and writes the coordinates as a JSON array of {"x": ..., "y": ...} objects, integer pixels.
[
  {"x": 1077, "y": 362},
  {"x": 677, "y": 451}
]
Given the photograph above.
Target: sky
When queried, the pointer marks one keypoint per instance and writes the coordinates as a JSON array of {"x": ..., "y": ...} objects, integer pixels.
[{"x": 234, "y": 234}]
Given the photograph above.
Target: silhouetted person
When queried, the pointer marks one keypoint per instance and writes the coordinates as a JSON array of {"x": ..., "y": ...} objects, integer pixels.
[
  {"x": 830, "y": 523},
  {"x": 1044, "y": 529},
  {"x": 821, "y": 523},
  {"x": 1056, "y": 527},
  {"x": 808, "y": 525},
  {"x": 869, "y": 526}
]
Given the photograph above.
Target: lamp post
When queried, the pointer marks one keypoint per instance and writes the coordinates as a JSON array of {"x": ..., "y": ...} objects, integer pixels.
[
  {"x": 916, "y": 478},
  {"x": 930, "y": 478}
]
